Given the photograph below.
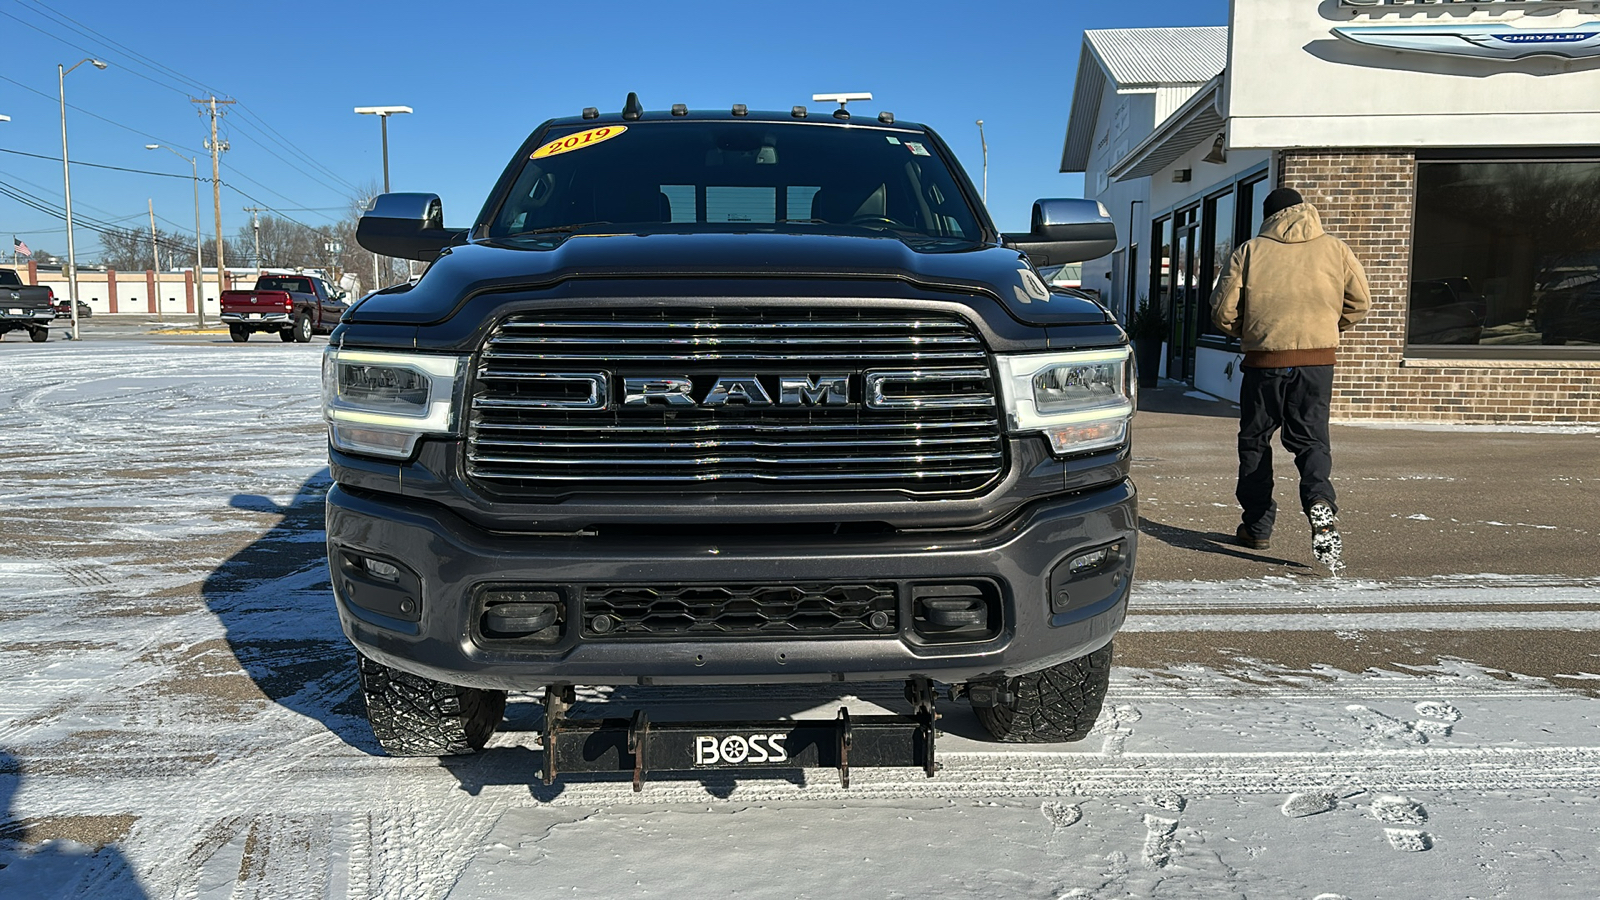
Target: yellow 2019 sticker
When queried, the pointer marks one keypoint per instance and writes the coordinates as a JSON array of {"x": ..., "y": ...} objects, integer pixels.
[{"x": 578, "y": 141}]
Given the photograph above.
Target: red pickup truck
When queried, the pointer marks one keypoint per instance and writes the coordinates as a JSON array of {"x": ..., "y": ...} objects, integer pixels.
[{"x": 295, "y": 306}]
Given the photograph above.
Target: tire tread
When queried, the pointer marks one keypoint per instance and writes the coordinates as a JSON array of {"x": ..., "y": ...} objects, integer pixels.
[
  {"x": 415, "y": 716},
  {"x": 1054, "y": 705}
]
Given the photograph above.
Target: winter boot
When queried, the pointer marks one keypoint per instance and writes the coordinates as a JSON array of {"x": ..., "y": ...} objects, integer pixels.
[
  {"x": 1244, "y": 539},
  {"x": 1326, "y": 545}
]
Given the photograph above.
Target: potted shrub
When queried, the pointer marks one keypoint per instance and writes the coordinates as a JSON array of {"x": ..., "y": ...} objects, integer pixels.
[{"x": 1148, "y": 330}]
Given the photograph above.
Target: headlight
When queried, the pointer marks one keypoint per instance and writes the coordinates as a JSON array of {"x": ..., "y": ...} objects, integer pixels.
[
  {"x": 380, "y": 403},
  {"x": 1081, "y": 401}
]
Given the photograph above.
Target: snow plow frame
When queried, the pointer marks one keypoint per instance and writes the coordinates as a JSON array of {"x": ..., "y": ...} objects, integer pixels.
[{"x": 640, "y": 746}]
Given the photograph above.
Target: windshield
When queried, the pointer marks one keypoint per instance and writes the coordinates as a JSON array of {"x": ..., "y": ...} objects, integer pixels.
[{"x": 735, "y": 176}]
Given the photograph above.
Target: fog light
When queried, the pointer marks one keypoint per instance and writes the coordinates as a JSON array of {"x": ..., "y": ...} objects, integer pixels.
[
  {"x": 379, "y": 569},
  {"x": 1087, "y": 561}
]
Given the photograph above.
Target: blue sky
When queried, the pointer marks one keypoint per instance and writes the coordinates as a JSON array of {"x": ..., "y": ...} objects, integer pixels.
[{"x": 481, "y": 76}]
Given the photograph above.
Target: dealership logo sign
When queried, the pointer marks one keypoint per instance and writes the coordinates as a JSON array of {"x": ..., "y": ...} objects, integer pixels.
[{"x": 1484, "y": 41}]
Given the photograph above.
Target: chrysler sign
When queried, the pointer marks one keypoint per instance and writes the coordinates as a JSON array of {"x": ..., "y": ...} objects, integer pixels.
[
  {"x": 1497, "y": 5},
  {"x": 1481, "y": 40}
]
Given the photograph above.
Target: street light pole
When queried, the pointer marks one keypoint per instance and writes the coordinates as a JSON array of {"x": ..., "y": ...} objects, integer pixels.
[
  {"x": 66, "y": 178},
  {"x": 383, "y": 113},
  {"x": 199, "y": 284},
  {"x": 985, "y": 163}
]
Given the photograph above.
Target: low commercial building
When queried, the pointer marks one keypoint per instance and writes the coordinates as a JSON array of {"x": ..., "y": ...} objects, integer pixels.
[{"x": 1452, "y": 144}]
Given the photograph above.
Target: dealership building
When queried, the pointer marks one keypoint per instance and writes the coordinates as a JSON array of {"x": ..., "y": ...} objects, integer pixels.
[{"x": 1454, "y": 144}]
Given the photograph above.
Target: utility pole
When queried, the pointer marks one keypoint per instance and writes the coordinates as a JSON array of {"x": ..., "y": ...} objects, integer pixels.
[
  {"x": 216, "y": 181},
  {"x": 155, "y": 258},
  {"x": 255, "y": 227}
]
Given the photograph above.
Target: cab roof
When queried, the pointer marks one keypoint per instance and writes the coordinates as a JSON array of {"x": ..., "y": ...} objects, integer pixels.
[{"x": 813, "y": 117}]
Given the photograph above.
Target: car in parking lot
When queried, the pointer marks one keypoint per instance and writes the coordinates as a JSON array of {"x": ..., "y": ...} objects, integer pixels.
[{"x": 64, "y": 309}]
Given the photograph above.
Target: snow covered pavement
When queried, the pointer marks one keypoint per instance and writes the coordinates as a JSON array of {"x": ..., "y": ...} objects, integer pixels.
[{"x": 178, "y": 717}]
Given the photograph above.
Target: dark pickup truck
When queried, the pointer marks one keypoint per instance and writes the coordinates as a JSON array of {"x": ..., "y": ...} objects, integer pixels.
[
  {"x": 25, "y": 307},
  {"x": 729, "y": 397},
  {"x": 294, "y": 306}
]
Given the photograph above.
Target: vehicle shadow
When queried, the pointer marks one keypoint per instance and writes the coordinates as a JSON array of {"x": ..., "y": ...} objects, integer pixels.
[
  {"x": 60, "y": 856},
  {"x": 275, "y": 604},
  {"x": 1216, "y": 542}
]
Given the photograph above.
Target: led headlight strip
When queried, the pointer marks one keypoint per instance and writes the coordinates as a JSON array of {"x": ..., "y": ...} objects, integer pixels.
[
  {"x": 1081, "y": 400},
  {"x": 380, "y": 403}
]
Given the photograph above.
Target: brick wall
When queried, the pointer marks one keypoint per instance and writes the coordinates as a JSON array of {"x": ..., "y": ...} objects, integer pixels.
[{"x": 1365, "y": 197}]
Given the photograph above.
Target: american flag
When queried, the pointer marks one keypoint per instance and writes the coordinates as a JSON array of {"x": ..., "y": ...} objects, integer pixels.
[{"x": 19, "y": 248}]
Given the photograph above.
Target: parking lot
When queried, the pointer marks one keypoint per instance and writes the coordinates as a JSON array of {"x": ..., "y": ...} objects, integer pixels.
[{"x": 179, "y": 716}]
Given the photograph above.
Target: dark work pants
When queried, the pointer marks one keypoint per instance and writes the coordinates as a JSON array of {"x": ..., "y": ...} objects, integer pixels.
[{"x": 1296, "y": 401}]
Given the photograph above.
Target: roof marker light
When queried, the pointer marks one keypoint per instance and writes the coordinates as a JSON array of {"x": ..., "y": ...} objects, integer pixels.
[
  {"x": 589, "y": 112},
  {"x": 679, "y": 109},
  {"x": 886, "y": 117},
  {"x": 739, "y": 109},
  {"x": 799, "y": 112}
]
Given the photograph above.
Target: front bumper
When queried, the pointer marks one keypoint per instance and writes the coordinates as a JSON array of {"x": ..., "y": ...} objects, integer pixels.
[{"x": 1025, "y": 557}]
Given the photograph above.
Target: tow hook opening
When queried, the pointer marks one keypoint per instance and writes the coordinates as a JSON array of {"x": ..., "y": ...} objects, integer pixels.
[
  {"x": 521, "y": 616},
  {"x": 955, "y": 613}
]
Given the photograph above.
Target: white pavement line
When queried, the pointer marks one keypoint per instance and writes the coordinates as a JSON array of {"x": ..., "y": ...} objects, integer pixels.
[
  {"x": 1454, "y": 592},
  {"x": 1577, "y": 620},
  {"x": 965, "y": 775}
]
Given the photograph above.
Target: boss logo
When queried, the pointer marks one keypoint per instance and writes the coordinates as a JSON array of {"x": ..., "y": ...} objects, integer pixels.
[
  {"x": 736, "y": 749},
  {"x": 738, "y": 390}
]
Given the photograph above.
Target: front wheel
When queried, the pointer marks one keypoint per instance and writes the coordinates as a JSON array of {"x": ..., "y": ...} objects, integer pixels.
[
  {"x": 39, "y": 335},
  {"x": 1052, "y": 705},
  {"x": 415, "y": 716}
]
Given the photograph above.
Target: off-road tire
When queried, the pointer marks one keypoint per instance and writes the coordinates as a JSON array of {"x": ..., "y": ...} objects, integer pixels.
[
  {"x": 1053, "y": 705},
  {"x": 238, "y": 334},
  {"x": 39, "y": 335},
  {"x": 300, "y": 332},
  {"x": 415, "y": 716}
]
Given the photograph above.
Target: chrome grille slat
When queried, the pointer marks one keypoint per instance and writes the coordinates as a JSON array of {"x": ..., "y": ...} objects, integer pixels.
[
  {"x": 717, "y": 443},
  {"x": 518, "y": 443}
]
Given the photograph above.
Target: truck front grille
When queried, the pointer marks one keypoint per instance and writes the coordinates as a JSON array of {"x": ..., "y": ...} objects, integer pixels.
[
  {"x": 719, "y": 400},
  {"x": 715, "y": 611}
]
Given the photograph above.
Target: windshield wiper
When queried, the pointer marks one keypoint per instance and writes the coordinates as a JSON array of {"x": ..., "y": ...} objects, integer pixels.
[{"x": 558, "y": 228}]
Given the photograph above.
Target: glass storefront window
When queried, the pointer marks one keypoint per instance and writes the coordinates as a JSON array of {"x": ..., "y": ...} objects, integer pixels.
[
  {"x": 1218, "y": 244},
  {"x": 1161, "y": 265},
  {"x": 1506, "y": 254}
]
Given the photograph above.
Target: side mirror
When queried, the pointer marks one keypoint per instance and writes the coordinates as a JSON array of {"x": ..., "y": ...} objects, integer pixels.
[
  {"x": 1067, "y": 231},
  {"x": 406, "y": 226}
]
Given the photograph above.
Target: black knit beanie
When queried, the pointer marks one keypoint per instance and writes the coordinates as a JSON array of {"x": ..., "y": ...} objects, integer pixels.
[{"x": 1280, "y": 200}]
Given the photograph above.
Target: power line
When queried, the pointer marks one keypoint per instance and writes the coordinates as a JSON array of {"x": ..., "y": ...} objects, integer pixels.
[
  {"x": 99, "y": 165},
  {"x": 82, "y": 49},
  {"x": 94, "y": 115},
  {"x": 289, "y": 145},
  {"x": 256, "y": 120},
  {"x": 152, "y": 64}
]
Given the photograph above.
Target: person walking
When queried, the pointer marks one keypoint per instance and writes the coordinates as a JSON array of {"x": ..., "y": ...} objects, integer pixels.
[{"x": 1288, "y": 294}]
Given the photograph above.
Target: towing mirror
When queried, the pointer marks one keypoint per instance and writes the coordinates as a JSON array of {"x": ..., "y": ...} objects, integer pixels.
[
  {"x": 1067, "y": 231},
  {"x": 406, "y": 226}
]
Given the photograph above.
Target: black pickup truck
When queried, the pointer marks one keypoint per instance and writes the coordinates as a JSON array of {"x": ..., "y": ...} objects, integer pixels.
[
  {"x": 24, "y": 307},
  {"x": 729, "y": 397}
]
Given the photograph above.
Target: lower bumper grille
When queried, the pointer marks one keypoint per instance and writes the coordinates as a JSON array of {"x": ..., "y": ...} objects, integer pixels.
[{"x": 739, "y": 611}]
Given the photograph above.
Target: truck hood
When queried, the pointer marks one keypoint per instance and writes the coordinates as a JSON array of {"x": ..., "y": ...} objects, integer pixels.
[{"x": 545, "y": 260}]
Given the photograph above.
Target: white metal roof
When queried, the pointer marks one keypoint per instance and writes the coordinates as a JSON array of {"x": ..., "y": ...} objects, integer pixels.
[
  {"x": 1151, "y": 56},
  {"x": 1136, "y": 59}
]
